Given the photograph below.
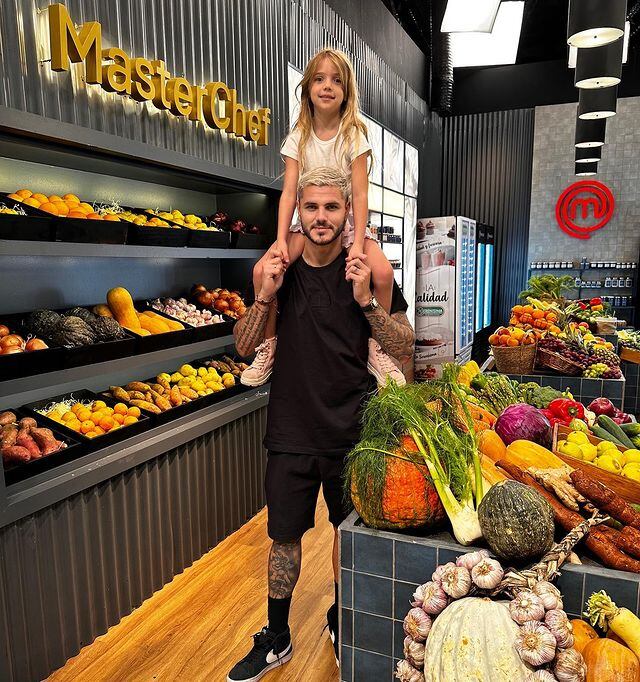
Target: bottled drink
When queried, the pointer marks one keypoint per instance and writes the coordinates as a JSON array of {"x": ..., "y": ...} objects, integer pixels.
[{"x": 607, "y": 282}]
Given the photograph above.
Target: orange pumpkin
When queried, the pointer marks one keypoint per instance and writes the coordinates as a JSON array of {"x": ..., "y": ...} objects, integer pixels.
[
  {"x": 612, "y": 635},
  {"x": 583, "y": 633},
  {"x": 491, "y": 445},
  {"x": 608, "y": 660},
  {"x": 409, "y": 498}
]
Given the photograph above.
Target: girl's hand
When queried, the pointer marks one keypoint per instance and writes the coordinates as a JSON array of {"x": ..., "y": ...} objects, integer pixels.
[
  {"x": 356, "y": 251},
  {"x": 281, "y": 247}
]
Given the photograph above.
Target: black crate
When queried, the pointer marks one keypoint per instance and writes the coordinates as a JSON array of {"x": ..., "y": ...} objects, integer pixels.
[
  {"x": 153, "y": 342},
  {"x": 205, "y": 239},
  {"x": 88, "y": 231},
  {"x": 92, "y": 444},
  {"x": 157, "y": 236},
  {"x": 29, "y": 210},
  {"x": 16, "y": 472},
  {"x": 242, "y": 240},
  {"x": 26, "y": 227}
]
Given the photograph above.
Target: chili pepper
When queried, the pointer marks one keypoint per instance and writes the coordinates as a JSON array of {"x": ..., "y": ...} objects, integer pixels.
[
  {"x": 566, "y": 409},
  {"x": 596, "y": 301},
  {"x": 583, "y": 306},
  {"x": 553, "y": 419}
]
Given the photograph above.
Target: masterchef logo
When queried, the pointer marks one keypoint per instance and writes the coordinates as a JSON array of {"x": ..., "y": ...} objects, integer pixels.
[{"x": 584, "y": 207}]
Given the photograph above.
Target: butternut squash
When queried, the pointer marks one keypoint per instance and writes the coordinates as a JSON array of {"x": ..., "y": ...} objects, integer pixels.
[
  {"x": 608, "y": 660},
  {"x": 525, "y": 454},
  {"x": 152, "y": 324},
  {"x": 121, "y": 305},
  {"x": 491, "y": 445},
  {"x": 102, "y": 310},
  {"x": 490, "y": 471},
  {"x": 583, "y": 633},
  {"x": 173, "y": 325}
]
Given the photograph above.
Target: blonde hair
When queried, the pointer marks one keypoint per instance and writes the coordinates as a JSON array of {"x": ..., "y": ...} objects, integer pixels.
[
  {"x": 325, "y": 176},
  {"x": 350, "y": 121}
]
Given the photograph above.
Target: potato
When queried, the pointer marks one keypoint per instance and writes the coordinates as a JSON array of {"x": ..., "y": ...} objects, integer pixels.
[
  {"x": 7, "y": 418},
  {"x": 45, "y": 440},
  {"x": 15, "y": 453},
  {"x": 8, "y": 435},
  {"x": 145, "y": 405},
  {"x": 27, "y": 423}
]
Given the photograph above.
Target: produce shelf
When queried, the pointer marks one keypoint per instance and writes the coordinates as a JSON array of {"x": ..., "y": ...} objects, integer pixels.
[{"x": 75, "y": 250}]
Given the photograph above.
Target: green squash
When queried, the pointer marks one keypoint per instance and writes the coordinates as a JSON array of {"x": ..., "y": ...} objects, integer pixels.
[{"x": 516, "y": 521}]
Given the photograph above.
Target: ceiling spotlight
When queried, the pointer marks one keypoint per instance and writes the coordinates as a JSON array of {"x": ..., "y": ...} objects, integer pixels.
[
  {"x": 573, "y": 51},
  {"x": 597, "y": 103},
  {"x": 586, "y": 168},
  {"x": 588, "y": 154},
  {"x": 595, "y": 22},
  {"x": 590, "y": 133},
  {"x": 599, "y": 67}
]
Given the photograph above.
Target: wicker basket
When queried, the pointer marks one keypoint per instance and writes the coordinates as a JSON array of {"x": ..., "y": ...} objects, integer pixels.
[
  {"x": 556, "y": 362},
  {"x": 515, "y": 359}
]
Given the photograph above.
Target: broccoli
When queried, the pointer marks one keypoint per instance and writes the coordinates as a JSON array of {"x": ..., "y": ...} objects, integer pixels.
[{"x": 538, "y": 396}]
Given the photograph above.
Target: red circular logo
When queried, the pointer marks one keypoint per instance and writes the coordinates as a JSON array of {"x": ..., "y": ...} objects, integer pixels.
[{"x": 580, "y": 201}]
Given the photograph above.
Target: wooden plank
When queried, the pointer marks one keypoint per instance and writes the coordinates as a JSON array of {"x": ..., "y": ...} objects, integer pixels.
[{"x": 200, "y": 624}]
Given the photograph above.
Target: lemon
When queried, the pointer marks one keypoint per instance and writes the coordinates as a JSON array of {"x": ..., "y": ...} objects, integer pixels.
[
  {"x": 571, "y": 449},
  {"x": 632, "y": 456},
  {"x": 187, "y": 371},
  {"x": 589, "y": 451},
  {"x": 632, "y": 472},
  {"x": 208, "y": 391},
  {"x": 605, "y": 445},
  {"x": 165, "y": 376},
  {"x": 608, "y": 463},
  {"x": 577, "y": 437},
  {"x": 217, "y": 387}
]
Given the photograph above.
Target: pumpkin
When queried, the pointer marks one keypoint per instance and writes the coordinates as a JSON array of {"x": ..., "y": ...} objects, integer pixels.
[
  {"x": 72, "y": 331},
  {"x": 583, "y": 633},
  {"x": 43, "y": 322},
  {"x": 402, "y": 497},
  {"x": 121, "y": 305},
  {"x": 516, "y": 521},
  {"x": 82, "y": 313},
  {"x": 491, "y": 445},
  {"x": 474, "y": 639},
  {"x": 107, "y": 329},
  {"x": 526, "y": 453},
  {"x": 173, "y": 325},
  {"x": 608, "y": 660},
  {"x": 612, "y": 635}
]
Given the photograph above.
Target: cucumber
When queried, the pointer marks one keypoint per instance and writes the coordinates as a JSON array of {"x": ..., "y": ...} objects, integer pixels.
[
  {"x": 632, "y": 429},
  {"x": 603, "y": 434},
  {"x": 608, "y": 424}
]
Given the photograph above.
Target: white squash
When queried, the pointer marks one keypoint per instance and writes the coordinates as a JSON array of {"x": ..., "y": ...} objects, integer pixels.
[{"x": 473, "y": 640}]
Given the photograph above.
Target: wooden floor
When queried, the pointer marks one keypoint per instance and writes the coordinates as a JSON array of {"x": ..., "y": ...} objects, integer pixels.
[{"x": 200, "y": 624}]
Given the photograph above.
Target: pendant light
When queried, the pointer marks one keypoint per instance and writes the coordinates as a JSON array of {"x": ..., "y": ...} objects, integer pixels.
[
  {"x": 595, "y": 22},
  {"x": 597, "y": 103},
  {"x": 590, "y": 133},
  {"x": 587, "y": 168},
  {"x": 588, "y": 154},
  {"x": 599, "y": 67}
]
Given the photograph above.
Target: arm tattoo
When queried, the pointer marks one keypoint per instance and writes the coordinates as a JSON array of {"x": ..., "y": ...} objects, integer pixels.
[
  {"x": 284, "y": 568},
  {"x": 249, "y": 329},
  {"x": 392, "y": 332}
]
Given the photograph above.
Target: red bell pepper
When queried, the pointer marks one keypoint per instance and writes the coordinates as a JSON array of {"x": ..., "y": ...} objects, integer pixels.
[
  {"x": 583, "y": 306},
  {"x": 596, "y": 301},
  {"x": 553, "y": 419},
  {"x": 566, "y": 409}
]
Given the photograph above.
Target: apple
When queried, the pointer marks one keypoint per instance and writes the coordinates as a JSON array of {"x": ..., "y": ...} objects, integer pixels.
[{"x": 220, "y": 219}]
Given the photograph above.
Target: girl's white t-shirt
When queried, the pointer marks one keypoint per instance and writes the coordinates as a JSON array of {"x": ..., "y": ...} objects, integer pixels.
[{"x": 319, "y": 152}]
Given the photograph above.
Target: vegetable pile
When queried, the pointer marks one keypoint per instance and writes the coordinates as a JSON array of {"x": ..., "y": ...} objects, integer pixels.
[
  {"x": 92, "y": 418},
  {"x": 23, "y": 440}
]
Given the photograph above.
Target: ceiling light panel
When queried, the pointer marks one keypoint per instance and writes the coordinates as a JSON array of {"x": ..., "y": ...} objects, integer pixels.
[{"x": 467, "y": 16}]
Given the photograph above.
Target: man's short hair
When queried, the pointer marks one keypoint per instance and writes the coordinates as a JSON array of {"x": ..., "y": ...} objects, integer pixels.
[{"x": 325, "y": 176}]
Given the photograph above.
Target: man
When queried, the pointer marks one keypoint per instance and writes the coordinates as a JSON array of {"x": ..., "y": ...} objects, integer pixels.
[{"x": 320, "y": 381}]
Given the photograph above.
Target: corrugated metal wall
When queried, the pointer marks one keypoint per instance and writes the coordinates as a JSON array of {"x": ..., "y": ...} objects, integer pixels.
[
  {"x": 71, "y": 571},
  {"x": 240, "y": 42},
  {"x": 486, "y": 168}
]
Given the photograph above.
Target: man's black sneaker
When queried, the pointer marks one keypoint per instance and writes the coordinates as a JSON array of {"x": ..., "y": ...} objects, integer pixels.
[
  {"x": 269, "y": 651},
  {"x": 333, "y": 623}
]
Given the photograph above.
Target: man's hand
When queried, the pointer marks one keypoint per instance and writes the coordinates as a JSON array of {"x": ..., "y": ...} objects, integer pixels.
[
  {"x": 359, "y": 274},
  {"x": 272, "y": 275}
]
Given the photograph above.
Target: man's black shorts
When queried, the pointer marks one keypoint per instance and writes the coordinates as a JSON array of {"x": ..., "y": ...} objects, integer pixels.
[{"x": 292, "y": 483}]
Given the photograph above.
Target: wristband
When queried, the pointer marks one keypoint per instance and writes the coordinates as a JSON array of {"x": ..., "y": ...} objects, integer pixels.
[{"x": 259, "y": 300}]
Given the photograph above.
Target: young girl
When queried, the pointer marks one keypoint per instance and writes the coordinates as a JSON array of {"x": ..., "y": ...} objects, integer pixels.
[{"x": 328, "y": 132}]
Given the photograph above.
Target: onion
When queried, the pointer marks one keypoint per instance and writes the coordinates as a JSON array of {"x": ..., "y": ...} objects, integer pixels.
[
  {"x": 4, "y": 330},
  {"x": 11, "y": 340},
  {"x": 9, "y": 350},
  {"x": 35, "y": 344}
]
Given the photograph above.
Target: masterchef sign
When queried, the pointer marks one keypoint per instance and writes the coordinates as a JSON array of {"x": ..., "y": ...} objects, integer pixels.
[{"x": 584, "y": 207}]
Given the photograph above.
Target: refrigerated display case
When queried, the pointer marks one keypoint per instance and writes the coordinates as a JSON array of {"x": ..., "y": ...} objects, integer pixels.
[
  {"x": 485, "y": 237},
  {"x": 445, "y": 292}
]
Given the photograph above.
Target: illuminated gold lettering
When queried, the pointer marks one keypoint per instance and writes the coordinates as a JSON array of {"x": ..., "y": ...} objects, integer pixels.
[
  {"x": 116, "y": 77},
  {"x": 159, "y": 78},
  {"x": 179, "y": 94},
  {"x": 197, "y": 94},
  {"x": 253, "y": 125},
  {"x": 237, "y": 115},
  {"x": 67, "y": 45},
  {"x": 265, "y": 119},
  {"x": 216, "y": 92},
  {"x": 142, "y": 84}
]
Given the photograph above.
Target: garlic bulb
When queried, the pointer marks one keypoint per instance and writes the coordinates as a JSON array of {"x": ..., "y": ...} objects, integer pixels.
[
  {"x": 487, "y": 574},
  {"x": 525, "y": 607},
  {"x": 541, "y": 676},
  {"x": 535, "y": 644},
  {"x": 456, "y": 581},
  {"x": 436, "y": 576},
  {"x": 471, "y": 559},
  {"x": 417, "y": 624},
  {"x": 549, "y": 595},
  {"x": 414, "y": 653},
  {"x": 405, "y": 672},
  {"x": 418, "y": 596},
  {"x": 560, "y": 627},
  {"x": 569, "y": 666},
  {"x": 434, "y": 598}
]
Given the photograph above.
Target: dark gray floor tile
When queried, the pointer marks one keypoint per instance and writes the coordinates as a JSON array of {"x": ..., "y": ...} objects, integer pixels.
[
  {"x": 346, "y": 664},
  {"x": 346, "y": 580},
  {"x": 347, "y": 627},
  {"x": 346, "y": 544}
]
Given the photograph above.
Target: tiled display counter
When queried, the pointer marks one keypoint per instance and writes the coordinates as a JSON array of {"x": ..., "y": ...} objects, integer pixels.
[
  {"x": 583, "y": 389},
  {"x": 381, "y": 570},
  {"x": 631, "y": 373}
]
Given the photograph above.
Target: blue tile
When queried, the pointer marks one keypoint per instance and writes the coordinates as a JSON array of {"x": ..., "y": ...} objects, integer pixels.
[
  {"x": 572, "y": 384},
  {"x": 398, "y": 640},
  {"x": 612, "y": 389},
  {"x": 346, "y": 549},
  {"x": 373, "y": 554},
  {"x": 592, "y": 387},
  {"x": 554, "y": 382},
  {"x": 346, "y": 664},
  {"x": 372, "y": 633},
  {"x": 414, "y": 563},
  {"x": 445, "y": 555},
  {"x": 370, "y": 667},
  {"x": 372, "y": 594},
  {"x": 571, "y": 583},
  {"x": 346, "y": 583},
  {"x": 403, "y": 592},
  {"x": 346, "y": 627},
  {"x": 623, "y": 592}
]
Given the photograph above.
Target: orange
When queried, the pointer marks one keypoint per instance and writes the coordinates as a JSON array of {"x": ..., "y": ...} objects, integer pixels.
[
  {"x": 494, "y": 339},
  {"x": 76, "y": 407},
  {"x": 129, "y": 420},
  {"x": 87, "y": 208},
  {"x": 40, "y": 198},
  {"x": 49, "y": 207},
  {"x": 99, "y": 430},
  {"x": 512, "y": 342},
  {"x": 91, "y": 434},
  {"x": 83, "y": 414},
  {"x": 71, "y": 197},
  {"x": 30, "y": 201},
  {"x": 517, "y": 310},
  {"x": 68, "y": 416},
  {"x": 118, "y": 418},
  {"x": 133, "y": 411},
  {"x": 63, "y": 209},
  {"x": 76, "y": 214},
  {"x": 94, "y": 216},
  {"x": 528, "y": 309},
  {"x": 106, "y": 423},
  {"x": 113, "y": 218},
  {"x": 86, "y": 426},
  {"x": 537, "y": 314},
  {"x": 99, "y": 404},
  {"x": 120, "y": 408},
  {"x": 23, "y": 193},
  {"x": 54, "y": 197},
  {"x": 75, "y": 425},
  {"x": 15, "y": 197}
]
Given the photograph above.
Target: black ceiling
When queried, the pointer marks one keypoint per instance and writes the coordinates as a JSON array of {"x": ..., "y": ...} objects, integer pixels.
[{"x": 544, "y": 26}]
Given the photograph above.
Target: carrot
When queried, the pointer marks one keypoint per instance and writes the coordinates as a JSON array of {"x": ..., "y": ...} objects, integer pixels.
[
  {"x": 480, "y": 414},
  {"x": 479, "y": 426},
  {"x": 605, "y": 499}
]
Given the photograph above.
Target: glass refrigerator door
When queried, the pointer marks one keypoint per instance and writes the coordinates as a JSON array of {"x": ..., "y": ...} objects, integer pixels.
[
  {"x": 465, "y": 294},
  {"x": 480, "y": 286},
  {"x": 488, "y": 286}
]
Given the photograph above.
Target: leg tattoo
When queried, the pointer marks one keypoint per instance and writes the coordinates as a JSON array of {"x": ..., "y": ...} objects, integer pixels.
[{"x": 284, "y": 568}]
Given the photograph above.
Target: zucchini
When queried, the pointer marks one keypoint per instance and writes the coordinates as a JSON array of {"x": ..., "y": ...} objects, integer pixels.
[
  {"x": 603, "y": 434},
  {"x": 632, "y": 429},
  {"x": 636, "y": 441},
  {"x": 608, "y": 424}
]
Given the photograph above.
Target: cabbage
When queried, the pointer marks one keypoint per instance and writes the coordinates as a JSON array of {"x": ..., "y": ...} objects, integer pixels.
[{"x": 523, "y": 422}]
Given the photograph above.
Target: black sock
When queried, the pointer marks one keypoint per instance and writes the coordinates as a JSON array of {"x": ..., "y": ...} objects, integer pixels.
[
  {"x": 278, "y": 614},
  {"x": 335, "y": 588}
]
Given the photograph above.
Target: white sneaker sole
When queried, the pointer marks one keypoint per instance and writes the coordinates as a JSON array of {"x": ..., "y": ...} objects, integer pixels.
[
  {"x": 333, "y": 641},
  {"x": 254, "y": 383},
  {"x": 269, "y": 668},
  {"x": 382, "y": 378}
]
